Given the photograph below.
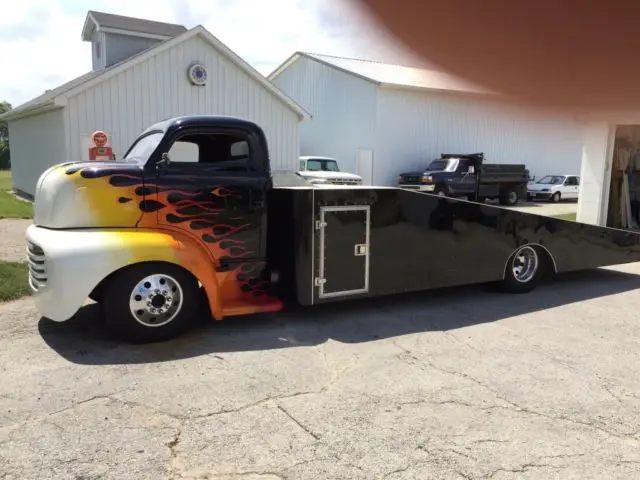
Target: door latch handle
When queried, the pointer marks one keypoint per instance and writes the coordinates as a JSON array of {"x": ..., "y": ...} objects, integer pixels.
[{"x": 360, "y": 249}]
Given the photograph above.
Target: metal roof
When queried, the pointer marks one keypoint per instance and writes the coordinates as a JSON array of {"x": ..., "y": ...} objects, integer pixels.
[
  {"x": 387, "y": 74},
  {"x": 131, "y": 24}
]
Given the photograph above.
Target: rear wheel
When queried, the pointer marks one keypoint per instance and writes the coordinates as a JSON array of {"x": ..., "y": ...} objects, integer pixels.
[
  {"x": 524, "y": 270},
  {"x": 150, "y": 302},
  {"x": 508, "y": 196}
]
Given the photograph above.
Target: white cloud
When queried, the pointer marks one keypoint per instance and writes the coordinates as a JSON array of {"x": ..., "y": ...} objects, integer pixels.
[{"x": 41, "y": 46}]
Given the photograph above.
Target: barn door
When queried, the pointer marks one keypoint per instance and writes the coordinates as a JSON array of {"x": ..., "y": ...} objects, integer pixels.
[{"x": 364, "y": 166}]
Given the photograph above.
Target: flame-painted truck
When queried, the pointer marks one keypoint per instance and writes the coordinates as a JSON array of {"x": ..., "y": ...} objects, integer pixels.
[{"x": 151, "y": 239}]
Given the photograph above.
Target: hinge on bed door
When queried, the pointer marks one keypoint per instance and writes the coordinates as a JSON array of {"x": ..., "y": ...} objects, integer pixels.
[
  {"x": 320, "y": 281},
  {"x": 320, "y": 224}
]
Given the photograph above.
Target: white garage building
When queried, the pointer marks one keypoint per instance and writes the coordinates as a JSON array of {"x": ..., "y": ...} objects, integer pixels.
[
  {"x": 379, "y": 119},
  {"x": 140, "y": 76}
]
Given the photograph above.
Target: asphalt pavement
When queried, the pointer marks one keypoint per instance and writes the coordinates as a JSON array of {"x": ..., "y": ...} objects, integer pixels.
[{"x": 457, "y": 384}]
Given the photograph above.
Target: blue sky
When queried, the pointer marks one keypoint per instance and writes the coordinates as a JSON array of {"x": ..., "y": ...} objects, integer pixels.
[{"x": 41, "y": 46}]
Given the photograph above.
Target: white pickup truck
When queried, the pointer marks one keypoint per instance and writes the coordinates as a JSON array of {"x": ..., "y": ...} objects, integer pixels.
[{"x": 324, "y": 170}]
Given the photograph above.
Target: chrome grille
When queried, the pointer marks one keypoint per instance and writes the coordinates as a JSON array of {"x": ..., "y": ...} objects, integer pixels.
[
  {"x": 344, "y": 181},
  {"x": 37, "y": 266},
  {"x": 410, "y": 179}
]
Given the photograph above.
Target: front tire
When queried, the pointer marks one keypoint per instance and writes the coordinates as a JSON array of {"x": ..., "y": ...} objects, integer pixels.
[
  {"x": 555, "y": 198},
  {"x": 150, "y": 302},
  {"x": 524, "y": 270}
]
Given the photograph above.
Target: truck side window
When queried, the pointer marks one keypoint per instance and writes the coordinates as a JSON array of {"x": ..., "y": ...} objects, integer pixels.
[{"x": 229, "y": 152}]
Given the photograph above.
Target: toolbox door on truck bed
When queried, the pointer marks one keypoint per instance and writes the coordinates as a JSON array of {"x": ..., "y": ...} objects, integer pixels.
[{"x": 343, "y": 250}]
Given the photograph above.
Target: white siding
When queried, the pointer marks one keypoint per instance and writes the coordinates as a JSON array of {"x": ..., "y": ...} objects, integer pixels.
[
  {"x": 415, "y": 127},
  {"x": 36, "y": 143},
  {"x": 158, "y": 88},
  {"x": 342, "y": 107}
]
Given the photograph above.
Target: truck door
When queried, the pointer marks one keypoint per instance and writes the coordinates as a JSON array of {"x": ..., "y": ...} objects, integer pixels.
[
  {"x": 214, "y": 187},
  {"x": 464, "y": 181},
  {"x": 570, "y": 189}
]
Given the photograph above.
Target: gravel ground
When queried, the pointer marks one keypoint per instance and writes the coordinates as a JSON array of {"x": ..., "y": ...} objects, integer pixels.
[
  {"x": 12, "y": 239},
  {"x": 456, "y": 384}
]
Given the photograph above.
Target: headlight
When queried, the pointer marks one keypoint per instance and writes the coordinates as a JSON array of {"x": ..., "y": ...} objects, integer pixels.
[{"x": 426, "y": 179}]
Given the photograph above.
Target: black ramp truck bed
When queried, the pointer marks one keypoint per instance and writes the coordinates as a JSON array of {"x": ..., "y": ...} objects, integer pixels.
[{"x": 338, "y": 243}]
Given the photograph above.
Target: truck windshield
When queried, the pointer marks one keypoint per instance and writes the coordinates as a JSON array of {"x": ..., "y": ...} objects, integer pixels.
[
  {"x": 322, "y": 165},
  {"x": 143, "y": 147},
  {"x": 446, "y": 165},
  {"x": 551, "y": 180}
]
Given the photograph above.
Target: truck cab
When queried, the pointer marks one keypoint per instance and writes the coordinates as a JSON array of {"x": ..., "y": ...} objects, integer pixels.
[
  {"x": 451, "y": 175},
  {"x": 183, "y": 209},
  {"x": 325, "y": 171}
]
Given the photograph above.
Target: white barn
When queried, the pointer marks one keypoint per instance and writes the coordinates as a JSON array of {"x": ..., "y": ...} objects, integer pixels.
[
  {"x": 379, "y": 119},
  {"x": 140, "y": 76}
]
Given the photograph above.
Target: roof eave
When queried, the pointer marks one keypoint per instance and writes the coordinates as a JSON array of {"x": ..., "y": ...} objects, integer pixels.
[
  {"x": 32, "y": 111},
  {"x": 87, "y": 27},
  {"x": 398, "y": 86}
]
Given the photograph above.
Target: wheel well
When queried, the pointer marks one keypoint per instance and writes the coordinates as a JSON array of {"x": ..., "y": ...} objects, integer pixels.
[
  {"x": 99, "y": 289},
  {"x": 548, "y": 262}
]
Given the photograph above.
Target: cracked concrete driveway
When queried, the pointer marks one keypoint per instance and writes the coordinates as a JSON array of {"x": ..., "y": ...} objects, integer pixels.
[{"x": 458, "y": 384}]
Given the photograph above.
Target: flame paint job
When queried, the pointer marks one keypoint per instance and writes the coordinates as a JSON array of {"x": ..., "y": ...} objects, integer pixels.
[{"x": 211, "y": 222}]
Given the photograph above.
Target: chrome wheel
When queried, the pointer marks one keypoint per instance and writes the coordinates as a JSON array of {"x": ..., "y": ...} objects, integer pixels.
[
  {"x": 156, "y": 300},
  {"x": 513, "y": 198},
  {"x": 525, "y": 264}
]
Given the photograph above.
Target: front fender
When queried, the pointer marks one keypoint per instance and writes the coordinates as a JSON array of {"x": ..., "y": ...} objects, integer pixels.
[{"x": 76, "y": 261}]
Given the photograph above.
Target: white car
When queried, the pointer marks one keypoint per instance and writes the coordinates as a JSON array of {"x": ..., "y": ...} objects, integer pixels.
[
  {"x": 554, "y": 188},
  {"x": 325, "y": 170}
]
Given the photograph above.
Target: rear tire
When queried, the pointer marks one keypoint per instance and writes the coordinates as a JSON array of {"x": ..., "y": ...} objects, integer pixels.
[
  {"x": 508, "y": 196},
  {"x": 524, "y": 270},
  {"x": 150, "y": 302}
]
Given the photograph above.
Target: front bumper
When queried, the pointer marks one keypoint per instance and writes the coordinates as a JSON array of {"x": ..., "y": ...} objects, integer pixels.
[
  {"x": 535, "y": 195},
  {"x": 421, "y": 188},
  {"x": 65, "y": 266}
]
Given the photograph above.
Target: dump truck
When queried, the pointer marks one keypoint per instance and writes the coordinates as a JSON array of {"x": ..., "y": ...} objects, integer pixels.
[
  {"x": 153, "y": 240},
  {"x": 468, "y": 175}
]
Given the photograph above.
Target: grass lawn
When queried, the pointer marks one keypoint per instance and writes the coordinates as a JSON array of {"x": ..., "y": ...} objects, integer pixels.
[
  {"x": 15, "y": 281},
  {"x": 566, "y": 216},
  {"x": 10, "y": 206}
]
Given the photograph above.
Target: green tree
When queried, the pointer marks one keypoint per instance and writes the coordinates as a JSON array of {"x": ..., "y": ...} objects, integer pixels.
[{"x": 5, "y": 160}]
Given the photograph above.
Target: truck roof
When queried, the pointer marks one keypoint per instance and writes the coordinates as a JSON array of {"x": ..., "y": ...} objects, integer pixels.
[
  {"x": 316, "y": 157},
  {"x": 202, "y": 120}
]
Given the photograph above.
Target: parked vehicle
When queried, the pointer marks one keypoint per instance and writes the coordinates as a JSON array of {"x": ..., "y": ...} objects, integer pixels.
[
  {"x": 466, "y": 175},
  {"x": 325, "y": 170},
  {"x": 554, "y": 188},
  {"x": 153, "y": 240}
]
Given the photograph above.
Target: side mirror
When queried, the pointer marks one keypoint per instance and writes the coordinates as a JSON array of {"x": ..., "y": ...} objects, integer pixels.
[{"x": 164, "y": 159}]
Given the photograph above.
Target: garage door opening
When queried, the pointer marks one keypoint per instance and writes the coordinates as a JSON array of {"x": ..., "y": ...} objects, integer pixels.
[{"x": 624, "y": 192}]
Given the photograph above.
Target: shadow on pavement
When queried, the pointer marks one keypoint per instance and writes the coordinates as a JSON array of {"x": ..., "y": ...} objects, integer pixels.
[{"x": 82, "y": 339}]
